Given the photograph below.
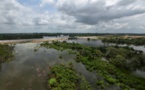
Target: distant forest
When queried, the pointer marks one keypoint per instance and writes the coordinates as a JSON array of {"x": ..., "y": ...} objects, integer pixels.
[{"x": 10, "y": 36}]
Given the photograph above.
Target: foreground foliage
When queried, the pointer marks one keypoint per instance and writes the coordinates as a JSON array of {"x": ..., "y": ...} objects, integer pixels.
[
  {"x": 115, "y": 70},
  {"x": 64, "y": 77}
]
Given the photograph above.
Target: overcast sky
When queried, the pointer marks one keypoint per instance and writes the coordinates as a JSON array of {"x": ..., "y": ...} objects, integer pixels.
[{"x": 83, "y": 16}]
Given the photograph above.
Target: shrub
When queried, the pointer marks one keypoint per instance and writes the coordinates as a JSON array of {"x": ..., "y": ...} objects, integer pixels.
[{"x": 52, "y": 81}]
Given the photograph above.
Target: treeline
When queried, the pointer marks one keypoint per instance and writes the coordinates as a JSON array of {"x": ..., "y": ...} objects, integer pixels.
[
  {"x": 118, "y": 40},
  {"x": 40, "y": 35},
  {"x": 11, "y": 36},
  {"x": 23, "y": 36}
]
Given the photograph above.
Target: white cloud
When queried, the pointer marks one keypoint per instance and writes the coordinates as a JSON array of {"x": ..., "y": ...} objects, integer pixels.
[
  {"x": 91, "y": 13},
  {"x": 11, "y": 12},
  {"x": 74, "y": 16},
  {"x": 111, "y": 2}
]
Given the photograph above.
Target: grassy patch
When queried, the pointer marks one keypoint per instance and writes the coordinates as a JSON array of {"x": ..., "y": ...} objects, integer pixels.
[{"x": 64, "y": 77}]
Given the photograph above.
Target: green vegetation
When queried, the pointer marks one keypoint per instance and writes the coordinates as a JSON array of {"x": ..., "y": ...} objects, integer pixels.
[
  {"x": 101, "y": 83},
  {"x": 116, "y": 70},
  {"x": 125, "y": 57},
  {"x": 52, "y": 81},
  {"x": 71, "y": 51},
  {"x": 63, "y": 45},
  {"x": 6, "y": 53},
  {"x": 64, "y": 77},
  {"x": 120, "y": 40}
]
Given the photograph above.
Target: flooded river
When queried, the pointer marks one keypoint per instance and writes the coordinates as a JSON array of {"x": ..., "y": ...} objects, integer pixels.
[{"x": 29, "y": 69}]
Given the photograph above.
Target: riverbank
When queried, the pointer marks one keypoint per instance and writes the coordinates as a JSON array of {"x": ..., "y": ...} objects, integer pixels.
[
  {"x": 29, "y": 40},
  {"x": 41, "y": 40}
]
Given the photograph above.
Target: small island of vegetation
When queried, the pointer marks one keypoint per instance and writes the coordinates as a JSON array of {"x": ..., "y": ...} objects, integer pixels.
[{"x": 64, "y": 77}]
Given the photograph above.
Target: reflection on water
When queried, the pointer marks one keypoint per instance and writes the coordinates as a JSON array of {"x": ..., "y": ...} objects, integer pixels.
[
  {"x": 140, "y": 73},
  {"x": 94, "y": 43},
  {"x": 29, "y": 69}
]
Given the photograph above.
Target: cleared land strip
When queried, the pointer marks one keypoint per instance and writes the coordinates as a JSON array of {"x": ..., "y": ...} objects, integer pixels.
[{"x": 29, "y": 40}]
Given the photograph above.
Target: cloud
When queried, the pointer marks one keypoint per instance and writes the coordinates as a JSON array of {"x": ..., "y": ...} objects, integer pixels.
[
  {"x": 14, "y": 13},
  {"x": 95, "y": 11},
  {"x": 126, "y": 2},
  {"x": 11, "y": 12},
  {"x": 73, "y": 16},
  {"x": 17, "y": 17}
]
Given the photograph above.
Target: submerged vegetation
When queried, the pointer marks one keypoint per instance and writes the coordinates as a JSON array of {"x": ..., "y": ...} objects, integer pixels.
[
  {"x": 115, "y": 70},
  {"x": 64, "y": 77},
  {"x": 121, "y": 40},
  {"x": 60, "y": 57}
]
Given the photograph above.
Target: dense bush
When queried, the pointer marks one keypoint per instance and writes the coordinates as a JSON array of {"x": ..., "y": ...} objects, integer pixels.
[{"x": 64, "y": 77}]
